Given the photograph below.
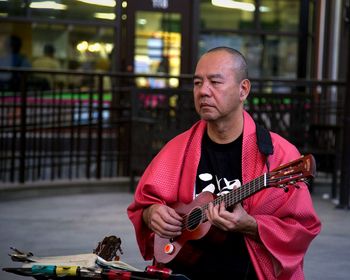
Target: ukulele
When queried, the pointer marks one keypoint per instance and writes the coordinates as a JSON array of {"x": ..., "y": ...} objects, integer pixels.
[{"x": 196, "y": 224}]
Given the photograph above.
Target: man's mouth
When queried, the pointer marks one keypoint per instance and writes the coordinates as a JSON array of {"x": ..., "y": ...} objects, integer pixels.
[{"x": 203, "y": 105}]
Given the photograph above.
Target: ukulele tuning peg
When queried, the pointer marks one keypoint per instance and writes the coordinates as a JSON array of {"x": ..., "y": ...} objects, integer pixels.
[{"x": 286, "y": 189}]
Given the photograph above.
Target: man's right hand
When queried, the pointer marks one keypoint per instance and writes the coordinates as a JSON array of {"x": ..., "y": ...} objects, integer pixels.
[{"x": 163, "y": 220}]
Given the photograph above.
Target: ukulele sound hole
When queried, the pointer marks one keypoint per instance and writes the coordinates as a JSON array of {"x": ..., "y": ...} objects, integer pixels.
[{"x": 194, "y": 219}]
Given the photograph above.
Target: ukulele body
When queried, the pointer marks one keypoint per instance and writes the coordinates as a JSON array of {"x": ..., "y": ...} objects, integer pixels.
[{"x": 184, "y": 251}]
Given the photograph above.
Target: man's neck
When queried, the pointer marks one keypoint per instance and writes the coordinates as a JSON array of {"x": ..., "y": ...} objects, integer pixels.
[{"x": 223, "y": 132}]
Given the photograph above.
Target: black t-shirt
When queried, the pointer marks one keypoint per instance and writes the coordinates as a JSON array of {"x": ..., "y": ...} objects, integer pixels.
[
  {"x": 218, "y": 170},
  {"x": 219, "y": 166}
]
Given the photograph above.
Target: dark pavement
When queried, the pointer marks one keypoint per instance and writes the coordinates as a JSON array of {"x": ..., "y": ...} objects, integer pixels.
[{"x": 65, "y": 223}]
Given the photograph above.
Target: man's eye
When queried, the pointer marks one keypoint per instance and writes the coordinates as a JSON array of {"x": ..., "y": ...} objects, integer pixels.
[
  {"x": 196, "y": 83},
  {"x": 215, "y": 82}
]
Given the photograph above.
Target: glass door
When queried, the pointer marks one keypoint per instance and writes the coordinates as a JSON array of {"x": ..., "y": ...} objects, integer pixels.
[
  {"x": 158, "y": 41},
  {"x": 157, "y": 47}
]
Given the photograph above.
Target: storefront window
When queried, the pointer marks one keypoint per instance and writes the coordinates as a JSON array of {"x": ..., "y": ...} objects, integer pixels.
[
  {"x": 217, "y": 14},
  {"x": 280, "y": 57},
  {"x": 60, "y": 9},
  {"x": 21, "y": 37},
  {"x": 80, "y": 9},
  {"x": 12, "y": 8},
  {"x": 78, "y": 47},
  {"x": 251, "y": 47},
  {"x": 280, "y": 15},
  {"x": 267, "y": 56},
  {"x": 72, "y": 47}
]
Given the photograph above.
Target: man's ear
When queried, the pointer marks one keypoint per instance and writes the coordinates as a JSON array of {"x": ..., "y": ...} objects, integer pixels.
[{"x": 244, "y": 89}]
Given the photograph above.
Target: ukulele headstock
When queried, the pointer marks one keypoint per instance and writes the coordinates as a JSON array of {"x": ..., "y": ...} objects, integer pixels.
[{"x": 299, "y": 170}]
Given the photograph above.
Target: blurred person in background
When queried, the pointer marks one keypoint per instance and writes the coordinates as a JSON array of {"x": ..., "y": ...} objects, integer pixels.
[
  {"x": 47, "y": 62},
  {"x": 11, "y": 57}
]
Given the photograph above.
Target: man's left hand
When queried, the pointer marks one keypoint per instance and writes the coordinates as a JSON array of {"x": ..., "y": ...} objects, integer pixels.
[{"x": 238, "y": 220}]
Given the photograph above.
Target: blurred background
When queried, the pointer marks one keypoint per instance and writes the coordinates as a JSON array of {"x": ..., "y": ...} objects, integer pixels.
[{"x": 91, "y": 90}]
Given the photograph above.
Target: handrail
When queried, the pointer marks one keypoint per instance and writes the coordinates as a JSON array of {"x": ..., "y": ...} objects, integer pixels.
[{"x": 296, "y": 81}]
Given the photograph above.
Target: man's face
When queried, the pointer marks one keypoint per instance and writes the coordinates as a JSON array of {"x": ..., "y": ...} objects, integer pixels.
[{"x": 217, "y": 93}]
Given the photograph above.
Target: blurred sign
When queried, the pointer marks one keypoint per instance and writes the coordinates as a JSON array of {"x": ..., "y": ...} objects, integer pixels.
[{"x": 162, "y": 4}]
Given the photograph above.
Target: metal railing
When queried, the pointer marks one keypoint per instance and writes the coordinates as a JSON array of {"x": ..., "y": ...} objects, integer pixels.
[
  {"x": 101, "y": 125},
  {"x": 83, "y": 130}
]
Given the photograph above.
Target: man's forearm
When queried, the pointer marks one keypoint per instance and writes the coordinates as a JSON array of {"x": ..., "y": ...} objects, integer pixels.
[
  {"x": 251, "y": 228},
  {"x": 145, "y": 215}
]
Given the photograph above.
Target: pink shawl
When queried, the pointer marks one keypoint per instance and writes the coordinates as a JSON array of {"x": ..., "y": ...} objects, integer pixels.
[{"x": 287, "y": 222}]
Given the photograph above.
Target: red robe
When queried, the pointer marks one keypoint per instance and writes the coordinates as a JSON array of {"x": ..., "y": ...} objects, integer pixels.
[{"x": 287, "y": 222}]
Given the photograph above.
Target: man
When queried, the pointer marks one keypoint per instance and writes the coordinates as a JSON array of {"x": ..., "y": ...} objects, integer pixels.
[
  {"x": 48, "y": 62},
  {"x": 11, "y": 56},
  {"x": 269, "y": 232}
]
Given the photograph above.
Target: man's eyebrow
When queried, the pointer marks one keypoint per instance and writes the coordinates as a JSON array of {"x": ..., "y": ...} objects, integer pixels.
[
  {"x": 211, "y": 76},
  {"x": 214, "y": 76}
]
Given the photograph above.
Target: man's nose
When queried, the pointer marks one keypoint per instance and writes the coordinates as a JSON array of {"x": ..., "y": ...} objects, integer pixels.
[{"x": 205, "y": 89}]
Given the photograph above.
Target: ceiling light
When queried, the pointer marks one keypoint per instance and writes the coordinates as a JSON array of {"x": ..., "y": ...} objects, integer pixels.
[
  {"x": 142, "y": 21},
  {"x": 82, "y": 46},
  {"x": 95, "y": 47},
  {"x": 109, "y": 47},
  {"x": 110, "y": 16},
  {"x": 106, "y": 3},
  {"x": 264, "y": 9},
  {"x": 47, "y": 5},
  {"x": 249, "y": 7}
]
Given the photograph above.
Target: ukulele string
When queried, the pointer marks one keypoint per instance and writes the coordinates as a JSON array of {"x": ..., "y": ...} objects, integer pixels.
[{"x": 231, "y": 198}]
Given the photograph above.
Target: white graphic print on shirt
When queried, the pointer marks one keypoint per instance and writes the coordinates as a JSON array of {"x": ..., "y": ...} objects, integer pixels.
[{"x": 223, "y": 186}]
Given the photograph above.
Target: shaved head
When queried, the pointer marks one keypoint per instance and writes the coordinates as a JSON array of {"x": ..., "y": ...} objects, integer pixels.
[{"x": 239, "y": 63}]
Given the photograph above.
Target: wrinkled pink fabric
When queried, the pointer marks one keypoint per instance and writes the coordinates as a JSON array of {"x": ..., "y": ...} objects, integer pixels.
[{"x": 287, "y": 222}]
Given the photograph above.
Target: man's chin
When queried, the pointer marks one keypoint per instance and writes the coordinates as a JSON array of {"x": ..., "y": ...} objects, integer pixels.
[{"x": 207, "y": 117}]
